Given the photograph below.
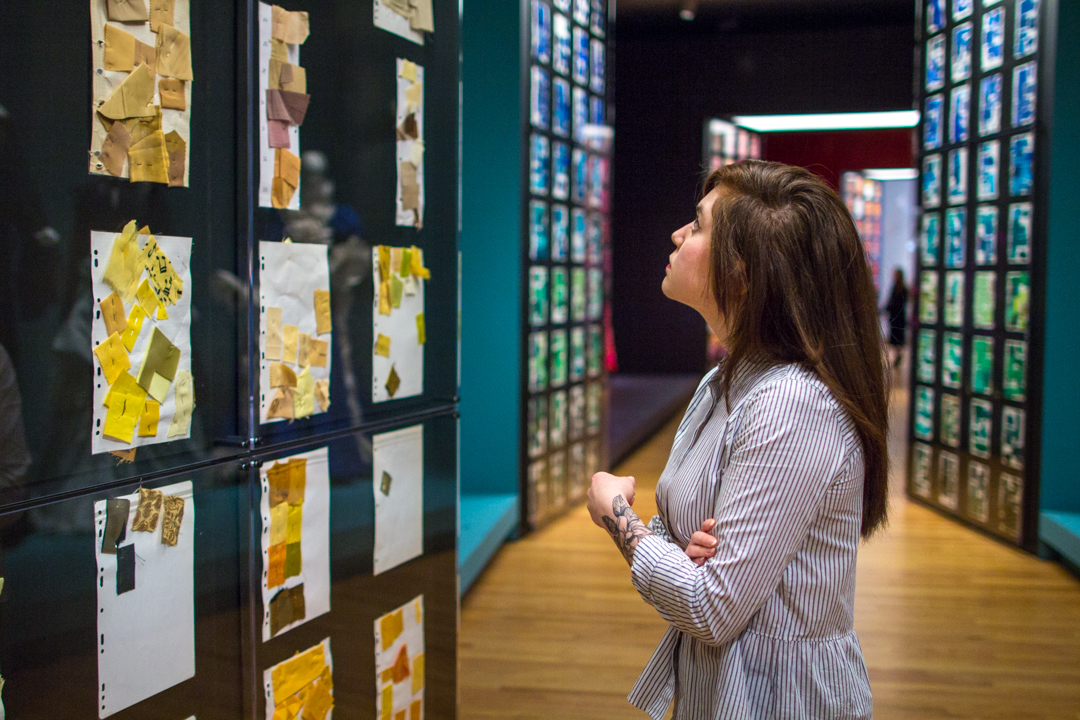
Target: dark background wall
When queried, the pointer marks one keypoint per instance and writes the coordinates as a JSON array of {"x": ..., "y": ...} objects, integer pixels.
[{"x": 670, "y": 77}]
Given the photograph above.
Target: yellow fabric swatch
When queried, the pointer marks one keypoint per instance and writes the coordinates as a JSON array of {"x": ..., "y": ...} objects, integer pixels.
[
  {"x": 125, "y": 264},
  {"x": 288, "y": 352},
  {"x": 391, "y": 626},
  {"x": 133, "y": 97},
  {"x": 127, "y": 10},
  {"x": 418, "y": 673},
  {"x": 322, "y": 312},
  {"x": 282, "y": 375},
  {"x": 135, "y": 323},
  {"x": 384, "y": 262},
  {"x": 322, "y": 394},
  {"x": 184, "y": 395},
  {"x": 279, "y": 521},
  {"x": 304, "y": 400},
  {"x": 293, "y": 674},
  {"x": 414, "y": 93},
  {"x": 148, "y": 421},
  {"x": 146, "y": 297},
  {"x": 290, "y": 27},
  {"x": 384, "y": 297},
  {"x": 113, "y": 315},
  {"x": 421, "y": 330},
  {"x": 281, "y": 193},
  {"x": 173, "y": 53},
  {"x": 382, "y": 346},
  {"x": 113, "y": 358},
  {"x": 119, "y": 49},
  {"x": 125, "y": 402},
  {"x": 408, "y": 70},
  {"x": 303, "y": 357},
  {"x": 318, "y": 353},
  {"x": 161, "y": 13},
  {"x": 295, "y": 522},
  {"x": 318, "y": 703},
  {"x": 273, "y": 333},
  {"x": 148, "y": 160},
  {"x": 418, "y": 268},
  {"x": 387, "y": 703},
  {"x": 168, "y": 285}
]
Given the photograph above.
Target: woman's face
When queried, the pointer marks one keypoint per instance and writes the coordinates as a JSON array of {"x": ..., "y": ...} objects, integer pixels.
[{"x": 686, "y": 278}]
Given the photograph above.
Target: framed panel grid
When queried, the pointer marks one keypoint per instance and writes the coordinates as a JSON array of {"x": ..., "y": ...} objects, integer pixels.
[
  {"x": 981, "y": 87},
  {"x": 567, "y": 251}
]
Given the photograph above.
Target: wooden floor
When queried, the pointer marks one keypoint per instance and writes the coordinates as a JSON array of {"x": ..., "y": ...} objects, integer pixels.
[{"x": 953, "y": 624}]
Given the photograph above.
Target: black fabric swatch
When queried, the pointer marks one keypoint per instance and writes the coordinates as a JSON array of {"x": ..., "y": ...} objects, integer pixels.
[{"x": 125, "y": 569}]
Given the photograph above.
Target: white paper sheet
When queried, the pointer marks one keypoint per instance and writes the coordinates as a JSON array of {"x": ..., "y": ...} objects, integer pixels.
[
  {"x": 390, "y": 21},
  {"x": 289, "y": 275},
  {"x": 177, "y": 328},
  {"x": 412, "y": 637},
  {"x": 406, "y": 351},
  {"x": 105, "y": 81},
  {"x": 268, "y": 682},
  {"x": 409, "y": 218},
  {"x": 314, "y": 541},
  {"x": 146, "y": 636},
  {"x": 266, "y": 153},
  {"x": 399, "y": 515}
]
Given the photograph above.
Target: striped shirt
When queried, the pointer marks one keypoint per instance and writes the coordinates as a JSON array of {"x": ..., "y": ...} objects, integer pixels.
[{"x": 764, "y": 628}]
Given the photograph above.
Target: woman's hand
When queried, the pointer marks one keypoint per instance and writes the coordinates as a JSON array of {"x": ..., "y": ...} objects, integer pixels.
[
  {"x": 602, "y": 492},
  {"x": 610, "y": 498},
  {"x": 702, "y": 545}
]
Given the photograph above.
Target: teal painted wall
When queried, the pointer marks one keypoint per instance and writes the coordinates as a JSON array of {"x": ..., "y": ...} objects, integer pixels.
[
  {"x": 1060, "y": 476},
  {"x": 491, "y": 257}
]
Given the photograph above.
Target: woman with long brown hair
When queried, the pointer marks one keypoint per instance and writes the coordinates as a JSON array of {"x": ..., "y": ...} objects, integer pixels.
[{"x": 779, "y": 466}]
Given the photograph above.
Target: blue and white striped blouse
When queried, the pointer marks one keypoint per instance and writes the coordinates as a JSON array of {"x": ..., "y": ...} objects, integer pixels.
[{"x": 764, "y": 628}]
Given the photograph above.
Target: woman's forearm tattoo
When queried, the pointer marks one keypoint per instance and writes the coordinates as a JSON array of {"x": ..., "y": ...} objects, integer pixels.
[{"x": 626, "y": 528}]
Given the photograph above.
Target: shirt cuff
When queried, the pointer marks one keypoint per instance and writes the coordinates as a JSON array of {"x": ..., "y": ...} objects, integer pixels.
[{"x": 648, "y": 553}]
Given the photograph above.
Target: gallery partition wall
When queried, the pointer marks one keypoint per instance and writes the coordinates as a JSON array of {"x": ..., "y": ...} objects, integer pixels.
[{"x": 228, "y": 378}]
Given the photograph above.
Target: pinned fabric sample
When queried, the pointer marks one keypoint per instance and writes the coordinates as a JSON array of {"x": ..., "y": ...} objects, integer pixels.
[
  {"x": 148, "y": 160},
  {"x": 124, "y": 403},
  {"x": 113, "y": 358},
  {"x": 148, "y": 511},
  {"x": 322, "y": 312},
  {"x": 399, "y": 661},
  {"x": 409, "y": 19},
  {"x": 398, "y": 329},
  {"x": 162, "y": 12},
  {"x": 281, "y": 406},
  {"x": 125, "y": 569},
  {"x": 399, "y": 510},
  {"x": 322, "y": 394},
  {"x": 172, "y": 95},
  {"x": 171, "y": 519},
  {"x": 409, "y": 133},
  {"x": 119, "y": 49},
  {"x": 290, "y": 27},
  {"x": 133, "y": 98},
  {"x": 293, "y": 277},
  {"x": 116, "y": 517},
  {"x": 176, "y": 148},
  {"x": 141, "y": 69},
  {"x": 127, "y": 10},
  {"x": 173, "y": 53},
  {"x": 114, "y": 150},
  {"x": 145, "y": 602},
  {"x": 272, "y": 347},
  {"x": 295, "y": 540},
  {"x": 148, "y": 421},
  {"x": 304, "y": 399},
  {"x": 137, "y": 395},
  {"x": 283, "y": 102},
  {"x": 301, "y": 687},
  {"x": 278, "y": 134}
]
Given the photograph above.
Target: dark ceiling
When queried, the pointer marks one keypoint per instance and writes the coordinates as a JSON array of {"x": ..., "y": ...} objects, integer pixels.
[{"x": 744, "y": 14}]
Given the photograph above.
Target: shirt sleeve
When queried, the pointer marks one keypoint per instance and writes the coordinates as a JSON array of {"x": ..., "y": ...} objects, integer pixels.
[{"x": 789, "y": 448}]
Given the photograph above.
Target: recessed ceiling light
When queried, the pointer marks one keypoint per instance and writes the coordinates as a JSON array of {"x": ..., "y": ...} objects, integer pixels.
[
  {"x": 829, "y": 121},
  {"x": 686, "y": 14}
]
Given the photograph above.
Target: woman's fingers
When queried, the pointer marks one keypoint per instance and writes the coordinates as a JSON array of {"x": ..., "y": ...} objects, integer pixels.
[
  {"x": 708, "y": 525},
  {"x": 703, "y": 539}
]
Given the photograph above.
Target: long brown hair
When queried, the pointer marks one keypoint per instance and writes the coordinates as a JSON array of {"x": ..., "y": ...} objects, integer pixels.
[{"x": 790, "y": 275}]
